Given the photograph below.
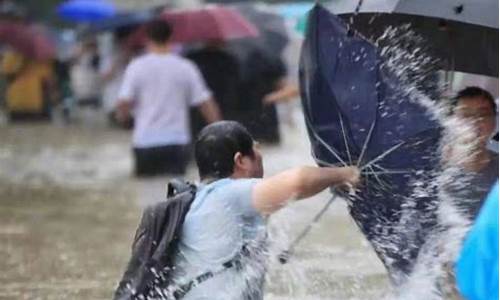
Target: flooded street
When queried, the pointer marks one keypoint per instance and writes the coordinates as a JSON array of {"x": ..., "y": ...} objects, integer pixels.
[
  {"x": 404, "y": 96},
  {"x": 69, "y": 208}
]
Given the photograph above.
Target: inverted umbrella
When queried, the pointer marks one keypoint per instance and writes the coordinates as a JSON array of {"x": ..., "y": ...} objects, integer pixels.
[
  {"x": 456, "y": 31},
  {"x": 27, "y": 40},
  {"x": 357, "y": 112},
  {"x": 86, "y": 10},
  {"x": 208, "y": 23}
]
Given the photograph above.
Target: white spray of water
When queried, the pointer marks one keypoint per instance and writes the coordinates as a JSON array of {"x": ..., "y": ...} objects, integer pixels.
[{"x": 431, "y": 278}]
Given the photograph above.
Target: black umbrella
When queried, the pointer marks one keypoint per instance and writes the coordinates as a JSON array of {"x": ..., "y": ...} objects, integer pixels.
[
  {"x": 462, "y": 34},
  {"x": 273, "y": 35},
  {"x": 357, "y": 112}
]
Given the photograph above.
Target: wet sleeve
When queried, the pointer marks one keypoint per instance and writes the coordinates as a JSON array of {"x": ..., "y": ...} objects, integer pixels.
[
  {"x": 198, "y": 90},
  {"x": 243, "y": 191},
  {"x": 128, "y": 89}
]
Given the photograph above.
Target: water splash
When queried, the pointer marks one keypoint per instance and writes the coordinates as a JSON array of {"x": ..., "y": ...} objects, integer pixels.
[{"x": 431, "y": 276}]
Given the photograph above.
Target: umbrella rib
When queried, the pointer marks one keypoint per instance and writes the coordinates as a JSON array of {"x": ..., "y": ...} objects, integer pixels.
[
  {"x": 345, "y": 138},
  {"x": 316, "y": 135},
  {"x": 330, "y": 149},
  {"x": 385, "y": 172},
  {"x": 392, "y": 149},
  {"x": 320, "y": 161},
  {"x": 376, "y": 177},
  {"x": 383, "y": 183},
  {"x": 389, "y": 171},
  {"x": 380, "y": 168},
  {"x": 365, "y": 145}
]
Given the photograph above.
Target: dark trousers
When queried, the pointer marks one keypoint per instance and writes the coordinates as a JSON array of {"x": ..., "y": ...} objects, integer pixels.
[
  {"x": 29, "y": 117},
  {"x": 161, "y": 160}
]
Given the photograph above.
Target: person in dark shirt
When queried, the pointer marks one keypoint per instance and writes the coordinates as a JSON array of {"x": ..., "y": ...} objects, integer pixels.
[
  {"x": 262, "y": 75},
  {"x": 221, "y": 72}
]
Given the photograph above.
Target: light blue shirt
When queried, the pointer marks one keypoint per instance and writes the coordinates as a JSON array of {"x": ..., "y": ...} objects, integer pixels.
[{"x": 220, "y": 222}]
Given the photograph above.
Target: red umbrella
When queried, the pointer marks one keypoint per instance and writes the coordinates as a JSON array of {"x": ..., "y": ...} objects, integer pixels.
[
  {"x": 28, "y": 40},
  {"x": 198, "y": 25},
  {"x": 209, "y": 23}
]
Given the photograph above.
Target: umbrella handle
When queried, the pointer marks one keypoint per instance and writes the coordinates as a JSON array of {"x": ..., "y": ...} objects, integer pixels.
[{"x": 284, "y": 256}]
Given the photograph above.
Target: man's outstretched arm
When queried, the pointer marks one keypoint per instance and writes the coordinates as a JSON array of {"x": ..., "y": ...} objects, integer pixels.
[{"x": 269, "y": 195}]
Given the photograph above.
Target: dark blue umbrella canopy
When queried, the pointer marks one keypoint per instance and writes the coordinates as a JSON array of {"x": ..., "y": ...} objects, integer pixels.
[{"x": 358, "y": 113}]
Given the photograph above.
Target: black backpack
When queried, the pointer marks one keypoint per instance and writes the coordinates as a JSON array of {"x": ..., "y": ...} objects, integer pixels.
[{"x": 149, "y": 270}]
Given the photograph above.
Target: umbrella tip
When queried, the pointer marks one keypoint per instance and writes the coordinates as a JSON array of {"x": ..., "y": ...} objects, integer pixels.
[
  {"x": 459, "y": 9},
  {"x": 350, "y": 32}
]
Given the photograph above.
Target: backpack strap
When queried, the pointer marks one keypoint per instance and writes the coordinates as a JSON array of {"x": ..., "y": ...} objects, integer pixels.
[
  {"x": 181, "y": 290},
  {"x": 177, "y": 186}
]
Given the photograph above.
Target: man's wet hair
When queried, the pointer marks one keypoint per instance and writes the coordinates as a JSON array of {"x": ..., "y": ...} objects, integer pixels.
[
  {"x": 216, "y": 146},
  {"x": 474, "y": 92},
  {"x": 159, "y": 31}
]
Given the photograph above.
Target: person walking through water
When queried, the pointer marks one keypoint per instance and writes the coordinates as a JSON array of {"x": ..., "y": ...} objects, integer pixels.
[
  {"x": 160, "y": 86},
  {"x": 227, "y": 218},
  {"x": 221, "y": 73},
  {"x": 84, "y": 71},
  {"x": 30, "y": 91}
]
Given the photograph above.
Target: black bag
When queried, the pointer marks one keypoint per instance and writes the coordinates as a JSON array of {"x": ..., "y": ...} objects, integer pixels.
[{"x": 149, "y": 268}]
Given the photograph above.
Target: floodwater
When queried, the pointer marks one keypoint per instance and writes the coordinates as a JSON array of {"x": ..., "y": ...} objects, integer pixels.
[{"x": 69, "y": 208}]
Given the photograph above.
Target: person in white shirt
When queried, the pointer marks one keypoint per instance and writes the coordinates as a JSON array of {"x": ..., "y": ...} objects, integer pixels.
[
  {"x": 84, "y": 74},
  {"x": 161, "y": 87}
]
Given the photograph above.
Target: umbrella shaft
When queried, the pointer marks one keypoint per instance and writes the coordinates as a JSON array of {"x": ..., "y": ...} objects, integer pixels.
[{"x": 286, "y": 253}]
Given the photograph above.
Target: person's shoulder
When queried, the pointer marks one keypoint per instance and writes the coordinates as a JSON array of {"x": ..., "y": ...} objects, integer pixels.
[
  {"x": 184, "y": 63},
  {"x": 139, "y": 61},
  {"x": 238, "y": 186}
]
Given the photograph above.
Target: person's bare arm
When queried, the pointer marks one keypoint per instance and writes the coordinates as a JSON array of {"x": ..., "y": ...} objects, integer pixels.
[
  {"x": 286, "y": 93},
  {"x": 273, "y": 193},
  {"x": 123, "y": 110},
  {"x": 210, "y": 111},
  {"x": 108, "y": 74}
]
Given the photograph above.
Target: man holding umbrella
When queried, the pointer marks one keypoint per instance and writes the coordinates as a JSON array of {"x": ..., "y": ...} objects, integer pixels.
[{"x": 160, "y": 86}]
